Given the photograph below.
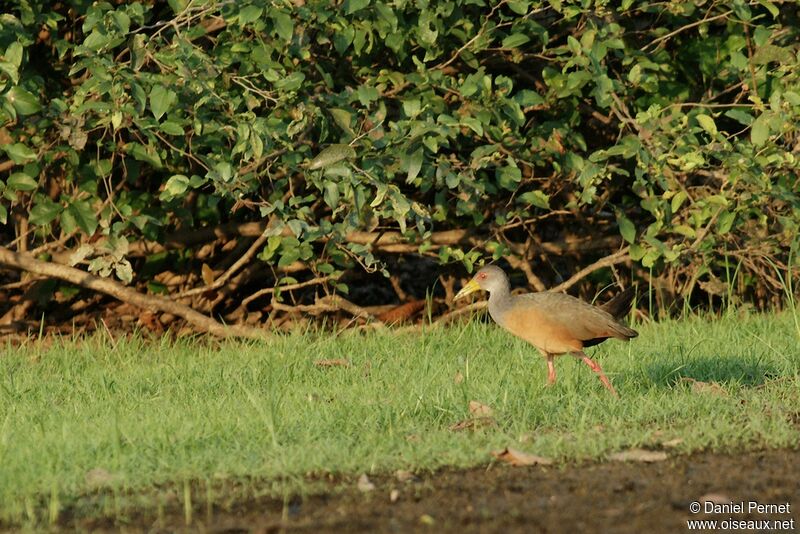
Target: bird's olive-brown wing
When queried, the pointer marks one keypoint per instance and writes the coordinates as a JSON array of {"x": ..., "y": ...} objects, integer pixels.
[{"x": 557, "y": 322}]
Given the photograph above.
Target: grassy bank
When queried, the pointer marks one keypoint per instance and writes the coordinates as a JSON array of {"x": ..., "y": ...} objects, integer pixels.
[{"x": 124, "y": 415}]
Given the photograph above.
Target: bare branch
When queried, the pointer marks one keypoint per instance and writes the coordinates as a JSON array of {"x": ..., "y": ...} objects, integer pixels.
[
  {"x": 613, "y": 259},
  {"x": 449, "y": 316},
  {"x": 28, "y": 263},
  {"x": 287, "y": 287},
  {"x": 246, "y": 257}
]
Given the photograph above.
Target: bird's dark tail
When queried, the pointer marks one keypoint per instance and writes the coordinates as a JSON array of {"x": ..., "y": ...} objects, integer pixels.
[{"x": 620, "y": 305}]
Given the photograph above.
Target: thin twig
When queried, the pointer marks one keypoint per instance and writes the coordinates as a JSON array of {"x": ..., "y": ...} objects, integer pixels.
[
  {"x": 449, "y": 316},
  {"x": 28, "y": 263},
  {"x": 247, "y": 256},
  {"x": 477, "y": 36},
  {"x": 287, "y": 287},
  {"x": 620, "y": 256},
  {"x": 331, "y": 303},
  {"x": 672, "y": 34}
]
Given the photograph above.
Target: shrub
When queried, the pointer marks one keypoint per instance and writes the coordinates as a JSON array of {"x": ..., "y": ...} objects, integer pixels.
[{"x": 555, "y": 134}]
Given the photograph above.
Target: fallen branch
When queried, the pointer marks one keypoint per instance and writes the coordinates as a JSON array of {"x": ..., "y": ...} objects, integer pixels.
[
  {"x": 287, "y": 287},
  {"x": 388, "y": 242},
  {"x": 332, "y": 303},
  {"x": 613, "y": 259},
  {"x": 246, "y": 257},
  {"x": 154, "y": 303},
  {"x": 524, "y": 265},
  {"x": 449, "y": 316}
]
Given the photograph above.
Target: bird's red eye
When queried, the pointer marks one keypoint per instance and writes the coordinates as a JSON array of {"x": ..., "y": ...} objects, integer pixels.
[{"x": 482, "y": 276}]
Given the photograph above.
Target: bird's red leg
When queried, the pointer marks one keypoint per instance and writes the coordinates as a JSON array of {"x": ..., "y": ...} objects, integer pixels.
[
  {"x": 551, "y": 370},
  {"x": 600, "y": 374}
]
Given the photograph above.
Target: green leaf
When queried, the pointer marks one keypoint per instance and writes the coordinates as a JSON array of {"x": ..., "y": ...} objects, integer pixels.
[
  {"x": 124, "y": 271},
  {"x": 289, "y": 256},
  {"x": 537, "y": 198},
  {"x": 178, "y": 5},
  {"x": 83, "y": 215},
  {"x": 330, "y": 193},
  {"x": 759, "y": 133},
  {"x": 707, "y": 123},
  {"x": 520, "y": 7},
  {"x": 515, "y": 40},
  {"x": 171, "y": 128},
  {"x": 331, "y": 155},
  {"x": 24, "y": 102},
  {"x": 3, "y": 214},
  {"x": 19, "y": 181},
  {"x": 284, "y": 25},
  {"x": 161, "y": 100},
  {"x": 526, "y": 98},
  {"x": 342, "y": 119},
  {"x": 351, "y": 6},
  {"x": 138, "y": 50},
  {"x": 725, "y": 221},
  {"x": 740, "y": 116},
  {"x": 473, "y": 123},
  {"x": 413, "y": 164},
  {"x": 508, "y": 177},
  {"x": 250, "y": 14},
  {"x": 44, "y": 212},
  {"x": 176, "y": 186},
  {"x": 772, "y": 8},
  {"x": 367, "y": 94},
  {"x": 13, "y": 53},
  {"x": 19, "y": 153},
  {"x": 626, "y": 227},
  {"x": 97, "y": 40},
  {"x": 677, "y": 200},
  {"x": 145, "y": 153}
]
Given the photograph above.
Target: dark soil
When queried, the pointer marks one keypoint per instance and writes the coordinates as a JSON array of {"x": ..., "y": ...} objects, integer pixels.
[{"x": 604, "y": 497}]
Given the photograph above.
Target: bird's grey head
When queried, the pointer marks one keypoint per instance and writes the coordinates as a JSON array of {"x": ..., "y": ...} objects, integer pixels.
[{"x": 490, "y": 278}]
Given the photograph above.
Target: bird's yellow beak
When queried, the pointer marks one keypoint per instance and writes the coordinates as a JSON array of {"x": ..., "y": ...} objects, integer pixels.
[{"x": 471, "y": 287}]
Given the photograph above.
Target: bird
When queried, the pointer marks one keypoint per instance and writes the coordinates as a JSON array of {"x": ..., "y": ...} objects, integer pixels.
[{"x": 554, "y": 323}]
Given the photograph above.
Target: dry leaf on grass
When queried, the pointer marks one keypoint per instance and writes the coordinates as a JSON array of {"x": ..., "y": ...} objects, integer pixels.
[
  {"x": 698, "y": 386},
  {"x": 364, "y": 484},
  {"x": 479, "y": 410},
  {"x": 671, "y": 444},
  {"x": 473, "y": 424},
  {"x": 404, "y": 476},
  {"x": 519, "y": 458},
  {"x": 394, "y": 495},
  {"x": 638, "y": 455},
  {"x": 458, "y": 378},
  {"x": 336, "y": 362},
  {"x": 717, "y": 498}
]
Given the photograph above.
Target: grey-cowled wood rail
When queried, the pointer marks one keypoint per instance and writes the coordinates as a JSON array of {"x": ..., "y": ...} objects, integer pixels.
[{"x": 554, "y": 323}]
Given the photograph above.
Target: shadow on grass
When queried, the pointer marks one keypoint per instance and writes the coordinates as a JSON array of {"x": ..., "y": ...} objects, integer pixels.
[{"x": 724, "y": 370}]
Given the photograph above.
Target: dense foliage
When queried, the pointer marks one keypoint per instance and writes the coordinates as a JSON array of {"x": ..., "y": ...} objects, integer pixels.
[{"x": 554, "y": 133}]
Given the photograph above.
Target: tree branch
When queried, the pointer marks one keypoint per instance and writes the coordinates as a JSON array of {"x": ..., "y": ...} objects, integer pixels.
[
  {"x": 246, "y": 257},
  {"x": 288, "y": 287},
  {"x": 613, "y": 259},
  {"x": 155, "y": 303}
]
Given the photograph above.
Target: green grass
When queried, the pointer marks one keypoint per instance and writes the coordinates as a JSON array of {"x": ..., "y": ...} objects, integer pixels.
[{"x": 263, "y": 415}]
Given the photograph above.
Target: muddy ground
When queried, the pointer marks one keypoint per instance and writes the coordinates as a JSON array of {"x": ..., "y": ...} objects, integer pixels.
[{"x": 598, "y": 497}]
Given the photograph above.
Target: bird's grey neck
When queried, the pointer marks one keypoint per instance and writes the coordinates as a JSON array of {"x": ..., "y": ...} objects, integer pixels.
[{"x": 498, "y": 301}]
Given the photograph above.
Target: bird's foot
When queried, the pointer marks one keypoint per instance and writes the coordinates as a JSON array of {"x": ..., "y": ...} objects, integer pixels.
[{"x": 600, "y": 374}]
